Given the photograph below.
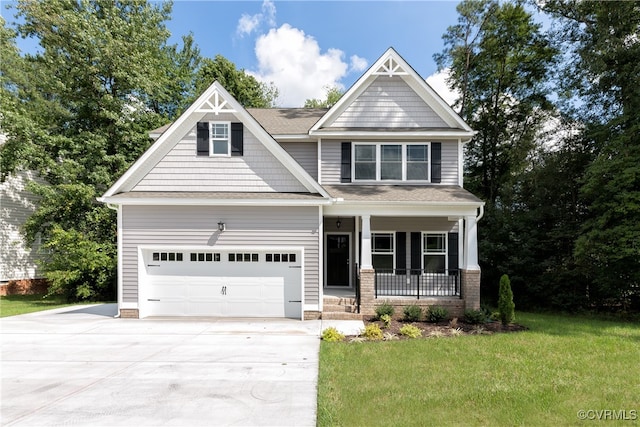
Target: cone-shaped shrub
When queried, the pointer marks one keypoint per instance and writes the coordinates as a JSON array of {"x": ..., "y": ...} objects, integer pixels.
[{"x": 506, "y": 307}]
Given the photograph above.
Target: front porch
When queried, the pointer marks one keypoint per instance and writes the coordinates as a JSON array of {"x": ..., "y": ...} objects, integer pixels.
[{"x": 398, "y": 262}]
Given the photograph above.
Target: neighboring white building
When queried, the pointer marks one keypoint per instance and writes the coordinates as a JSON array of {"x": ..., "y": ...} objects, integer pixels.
[{"x": 17, "y": 260}]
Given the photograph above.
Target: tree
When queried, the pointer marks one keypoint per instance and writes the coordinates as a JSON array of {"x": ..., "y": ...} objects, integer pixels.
[
  {"x": 506, "y": 307},
  {"x": 602, "y": 39},
  {"x": 248, "y": 91},
  {"x": 499, "y": 62},
  {"x": 333, "y": 95},
  {"x": 104, "y": 77}
]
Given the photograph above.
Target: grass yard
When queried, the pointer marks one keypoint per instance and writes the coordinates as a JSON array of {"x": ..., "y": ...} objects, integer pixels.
[
  {"x": 540, "y": 377},
  {"x": 12, "y": 305}
]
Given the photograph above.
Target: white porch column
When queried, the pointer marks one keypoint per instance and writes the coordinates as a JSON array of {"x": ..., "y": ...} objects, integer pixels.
[
  {"x": 470, "y": 244},
  {"x": 366, "y": 243}
]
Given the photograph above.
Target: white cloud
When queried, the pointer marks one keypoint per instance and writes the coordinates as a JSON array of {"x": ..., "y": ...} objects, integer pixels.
[
  {"x": 294, "y": 62},
  {"x": 358, "y": 63},
  {"x": 438, "y": 81},
  {"x": 250, "y": 23}
]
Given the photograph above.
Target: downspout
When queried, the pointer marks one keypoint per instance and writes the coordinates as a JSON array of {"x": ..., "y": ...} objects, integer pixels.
[
  {"x": 117, "y": 209},
  {"x": 481, "y": 214}
]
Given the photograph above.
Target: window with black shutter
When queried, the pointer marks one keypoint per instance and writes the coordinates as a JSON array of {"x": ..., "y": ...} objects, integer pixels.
[
  {"x": 219, "y": 139},
  {"x": 436, "y": 162},
  {"x": 237, "y": 139},
  {"x": 345, "y": 164}
]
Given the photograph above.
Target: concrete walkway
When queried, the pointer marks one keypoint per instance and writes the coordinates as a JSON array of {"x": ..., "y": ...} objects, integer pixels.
[{"x": 81, "y": 366}]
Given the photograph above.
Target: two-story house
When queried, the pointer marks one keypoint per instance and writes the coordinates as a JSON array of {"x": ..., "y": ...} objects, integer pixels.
[{"x": 301, "y": 212}]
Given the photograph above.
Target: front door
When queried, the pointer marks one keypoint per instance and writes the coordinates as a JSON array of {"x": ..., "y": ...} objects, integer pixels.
[{"x": 337, "y": 260}]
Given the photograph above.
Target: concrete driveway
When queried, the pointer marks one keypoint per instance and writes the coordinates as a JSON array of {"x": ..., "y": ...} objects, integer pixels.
[{"x": 81, "y": 366}]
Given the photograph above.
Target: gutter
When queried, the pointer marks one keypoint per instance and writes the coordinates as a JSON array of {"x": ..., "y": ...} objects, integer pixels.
[{"x": 115, "y": 208}]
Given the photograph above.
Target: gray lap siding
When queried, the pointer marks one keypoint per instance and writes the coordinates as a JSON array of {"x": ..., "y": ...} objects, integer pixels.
[{"x": 197, "y": 226}]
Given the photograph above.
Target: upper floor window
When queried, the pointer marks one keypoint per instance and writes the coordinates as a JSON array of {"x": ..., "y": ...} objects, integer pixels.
[
  {"x": 222, "y": 139},
  {"x": 219, "y": 139},
  {"x": 391, "y": 162}
]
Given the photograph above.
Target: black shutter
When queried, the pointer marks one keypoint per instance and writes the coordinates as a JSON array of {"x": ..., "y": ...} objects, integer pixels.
[
  {"x": 202, "y": 137},
  {"x": 436, "y": 162},
  {"x": 452, "y": 249},
  {"x": 416, "y": 252},
  {"x": 401, "y": 252},
  {"x": 345, "y": 163},
  {"x": 237, "y": 139}
]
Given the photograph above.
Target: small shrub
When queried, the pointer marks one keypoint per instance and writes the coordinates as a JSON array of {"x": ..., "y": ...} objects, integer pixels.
[
  {"x": 387, "y": 321},
  {"x": 411, "y": 331},
  {"x": 384, "y": 308},
  {"x": 412, "y": 313},
  {"x": 506, "y": 307},
  {"x": 453, "y": 323},
  {"x": 437, "y": 314},
  {"x": 456, "y": 332},
  {"x": 495, "y": 315},
  {"x": 389, "y": 336},
  {"x": 372, "y": 332},
  {"x": 475, "y": 317},
  {"x": 332, "y": 335}
]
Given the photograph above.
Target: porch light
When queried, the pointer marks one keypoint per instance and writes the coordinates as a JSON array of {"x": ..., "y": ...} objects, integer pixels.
[
  {"x": 338, "y": 223},
  {"x": 221, "y": 226}
]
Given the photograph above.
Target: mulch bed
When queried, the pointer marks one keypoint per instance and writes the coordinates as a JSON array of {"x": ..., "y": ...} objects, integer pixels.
[{"x": 448, "y": 328}]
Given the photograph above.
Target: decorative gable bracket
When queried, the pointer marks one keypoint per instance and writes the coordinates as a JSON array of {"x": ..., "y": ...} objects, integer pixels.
[
  {"x": 215, "y": 104},
  {"x": 390, "y": 67}
]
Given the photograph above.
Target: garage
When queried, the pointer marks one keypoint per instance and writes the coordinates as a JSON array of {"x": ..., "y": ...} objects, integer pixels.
[{"x": 238, "y": 282}]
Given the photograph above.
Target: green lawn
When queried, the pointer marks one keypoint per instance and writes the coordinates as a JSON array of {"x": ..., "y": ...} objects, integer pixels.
[
  {"x": 541, "y": 377},
  {"x": 12, "y": 305}
]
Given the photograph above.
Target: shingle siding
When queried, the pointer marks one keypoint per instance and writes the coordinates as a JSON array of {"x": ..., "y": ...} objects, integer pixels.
[
  {"x": 256, "y": 170},
  {"x": 305, "y": 153},
  {"x": 389, "y": 102},
  {"x": 197, "y": 226}
]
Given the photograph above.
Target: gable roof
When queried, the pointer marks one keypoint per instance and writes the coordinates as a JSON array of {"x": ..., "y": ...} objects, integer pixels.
[
  {"x": 392, "y": 64},
  {"x": 214, "y": 100}
]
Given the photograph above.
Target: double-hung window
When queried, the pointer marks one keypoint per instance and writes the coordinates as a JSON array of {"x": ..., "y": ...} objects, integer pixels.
[
  {"x": 434, "y": 252},
  {"x": 382, "y": 251},
  {"x": 391, "y": 162},
  {"x": 220, "y": 140}
]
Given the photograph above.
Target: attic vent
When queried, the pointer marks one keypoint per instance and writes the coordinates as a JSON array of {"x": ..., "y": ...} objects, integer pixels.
[{"x": 390, "y": 67}]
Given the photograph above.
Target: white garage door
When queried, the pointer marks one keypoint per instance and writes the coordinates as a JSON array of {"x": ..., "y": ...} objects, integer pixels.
[{"x": 227, "y": 283}]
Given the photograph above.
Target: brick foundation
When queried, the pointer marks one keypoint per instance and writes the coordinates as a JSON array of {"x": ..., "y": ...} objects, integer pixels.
[
  {"x": 471, "y": 289},
  {"x": 129, "y": 313},
  {"x": 24, "y": 287}
]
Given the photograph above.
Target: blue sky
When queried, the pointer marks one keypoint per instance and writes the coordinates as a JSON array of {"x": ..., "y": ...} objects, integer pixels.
[{"x": 306, "y": 46}]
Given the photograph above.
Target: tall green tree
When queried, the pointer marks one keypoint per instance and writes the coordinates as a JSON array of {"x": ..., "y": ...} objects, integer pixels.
[
  {"x": 499, "y": 61},
  {"x": 333, "y": 95},
  {"x": 105, "y": 75},
  {"x": 245, "y": 88},
  {"x": 603, "y": 42}
]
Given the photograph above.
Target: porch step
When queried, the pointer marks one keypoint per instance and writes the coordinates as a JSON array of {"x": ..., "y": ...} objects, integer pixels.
[
  {"x": 329, "y": 315},
  {"x": 337, "y": 308},
  {"x": 340, "y": 308},
  {"x": 334, "y": 300}
]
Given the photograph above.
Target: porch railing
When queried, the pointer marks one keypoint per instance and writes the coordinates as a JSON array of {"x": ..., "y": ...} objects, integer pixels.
[{"x": 417, "y": 283}]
